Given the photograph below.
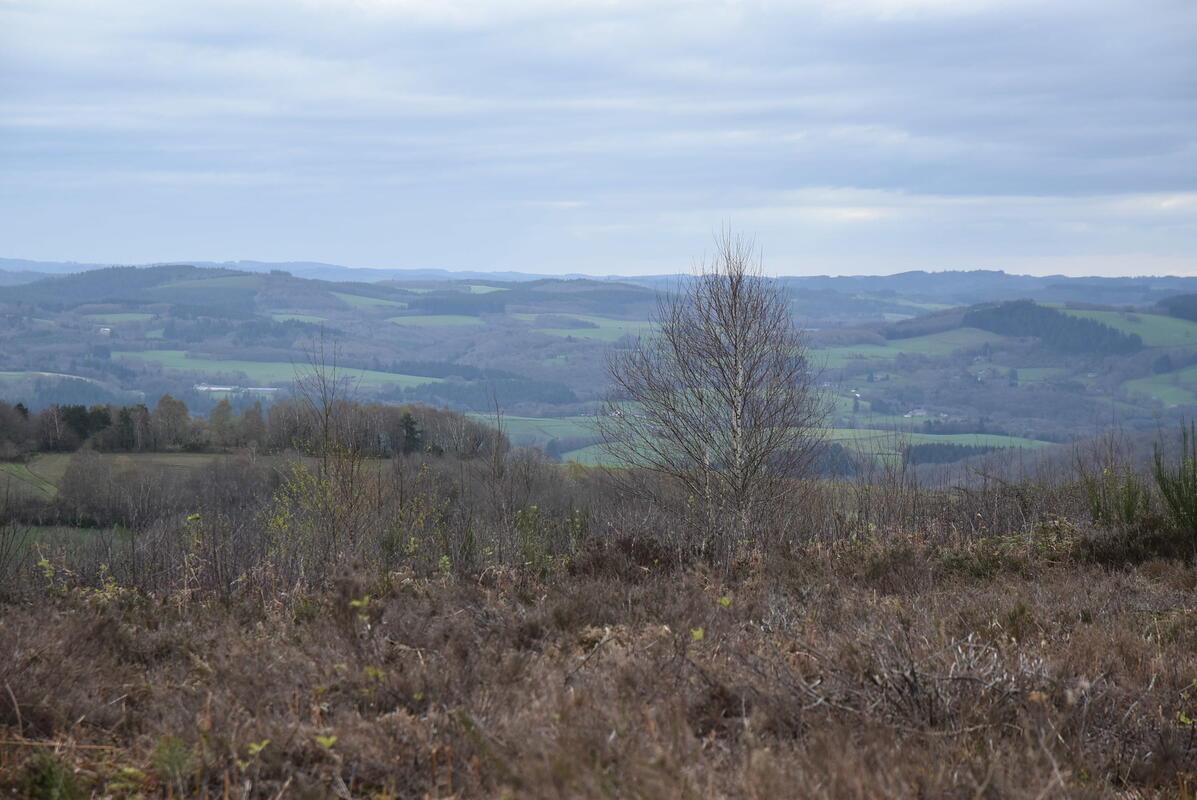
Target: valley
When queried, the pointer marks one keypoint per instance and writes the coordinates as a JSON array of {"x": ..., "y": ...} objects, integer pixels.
[{"x": 898, "y": 362}]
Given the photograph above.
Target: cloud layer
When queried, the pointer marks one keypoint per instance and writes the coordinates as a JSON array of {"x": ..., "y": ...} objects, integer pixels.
[{"x": 607, "y": 136}]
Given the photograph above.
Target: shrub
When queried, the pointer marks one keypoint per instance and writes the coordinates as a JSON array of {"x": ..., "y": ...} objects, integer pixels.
[
  {"x": 47, "y": 778},
  {"x": 1116, "y": 497},
  {"x": 1177, "y": 482}
]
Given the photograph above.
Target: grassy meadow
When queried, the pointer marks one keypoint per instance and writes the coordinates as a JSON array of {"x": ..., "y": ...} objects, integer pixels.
[
  {"x": 117, "y": 318},
  {"x": 435, "y": 320},
  {"x": 1154, "y": 329},
  {"x": 361, "y": 301},
  {"x": 932, "y": 345},
  {"x": 265, "y": 372}
]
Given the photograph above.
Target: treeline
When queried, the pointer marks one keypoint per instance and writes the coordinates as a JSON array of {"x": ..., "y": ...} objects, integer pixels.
[
  {"x": 445, "y": 369},
  {"x": 373, "y": 430},
  {"x": 102, "y": 285},
  {"x": 470, "y": 305},
  {"x": 942, "y": 453},
  {"x": 1052, "y": 327},
  {"x": 1182, "y": 306},
  {"x": 482, "y": 395}
]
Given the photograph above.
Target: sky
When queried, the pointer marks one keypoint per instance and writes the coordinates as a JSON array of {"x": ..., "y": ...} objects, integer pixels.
[{"x": 610, "y": 137}]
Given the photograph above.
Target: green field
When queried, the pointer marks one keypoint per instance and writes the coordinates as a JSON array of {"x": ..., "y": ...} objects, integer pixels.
[
  {"x": 435, "y": 320},
  {"x": 1172, "y": 389},
  {"x": 539, "y": 430},
  {"x": 934, "y": 345},
  {"x": 861, "y": 436},
  {"x": 866, "y": 441},
  {"x": 22, "y": 481},
  {"x": 608, "y": 330},
  {"x": 43, "y": 474},
  {"x": 477, "y": 289},
  {"x": 1154, "y": 329},
  {"x": 266, "y": 372},
  {"x": 113, "y": 319},
  {"x": 12, "y": 377},
  {"x": 358, "y": 301},
  {"x": 297, "y": 318},
  {"x": 902, "y": 301},
  {"x": 156, "y": 333}
]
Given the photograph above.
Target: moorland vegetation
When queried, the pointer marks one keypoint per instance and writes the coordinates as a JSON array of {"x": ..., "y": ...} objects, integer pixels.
[{"x": 367, "y": 601}]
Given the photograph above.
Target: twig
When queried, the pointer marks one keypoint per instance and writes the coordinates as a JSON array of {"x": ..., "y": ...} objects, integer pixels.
[
  {"x": 606, "y": 638},
  {"x": 17, "y": 708},
  {"x": 283, "y": 790},
  {"x": 28, "y": 743}
]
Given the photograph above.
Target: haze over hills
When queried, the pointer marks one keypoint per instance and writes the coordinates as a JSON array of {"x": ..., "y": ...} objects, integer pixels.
[
  {"x": 303, "y": 269},
  {"x": 947, "y": 358},
  {"x": 963, "y": 286}
]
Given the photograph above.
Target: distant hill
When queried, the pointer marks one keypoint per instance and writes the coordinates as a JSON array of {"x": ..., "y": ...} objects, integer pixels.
[
  {"x": 301, "y": 269},
  {"x": 17, "y": 277},
  {"x": 956, "y": 360},
  {"x": 951, "y": 287}
]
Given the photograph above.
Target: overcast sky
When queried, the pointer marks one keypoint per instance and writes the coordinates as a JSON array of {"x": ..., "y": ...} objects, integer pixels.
[{"x": 603, "y": 136}]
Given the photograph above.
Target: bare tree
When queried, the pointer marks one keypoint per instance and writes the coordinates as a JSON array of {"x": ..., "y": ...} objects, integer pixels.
[{"x": 721, "y": 398}]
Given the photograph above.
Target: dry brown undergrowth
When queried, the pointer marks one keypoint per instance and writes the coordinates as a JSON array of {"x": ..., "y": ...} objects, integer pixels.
[{"x": 822, "y": 677}]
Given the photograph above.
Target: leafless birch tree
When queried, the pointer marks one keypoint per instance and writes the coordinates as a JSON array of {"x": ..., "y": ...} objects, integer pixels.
[{"x": 721, "y": 398}]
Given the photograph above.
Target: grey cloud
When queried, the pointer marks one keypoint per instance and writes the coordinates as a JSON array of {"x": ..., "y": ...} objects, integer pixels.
[{"x": 431, "y": 121}]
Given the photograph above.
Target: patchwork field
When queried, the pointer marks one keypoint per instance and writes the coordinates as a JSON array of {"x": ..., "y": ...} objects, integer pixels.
[{"x": 266, "y": 372}]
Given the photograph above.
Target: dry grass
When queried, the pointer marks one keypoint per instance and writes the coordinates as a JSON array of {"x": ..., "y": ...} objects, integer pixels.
[{"x": 862, "y": 671}]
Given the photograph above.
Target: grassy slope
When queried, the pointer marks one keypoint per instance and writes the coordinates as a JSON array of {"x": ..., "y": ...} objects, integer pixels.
[
  {"x": 265, "y": 371},
  {"x": 131, "y": 316},
  {"x": 541, "y": 429},
  {"x": 435, "y": 320},
  {"x": 22, "y": 481},
  {"x": 935, "y": 344},
  {"x": 608, "y": 330},
  {"x": 1154, "y": 329},
  {"x": 359, "y": 301},
  {"x": 9, "y": 376},
  {"x": 1172, "y": 389}
]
